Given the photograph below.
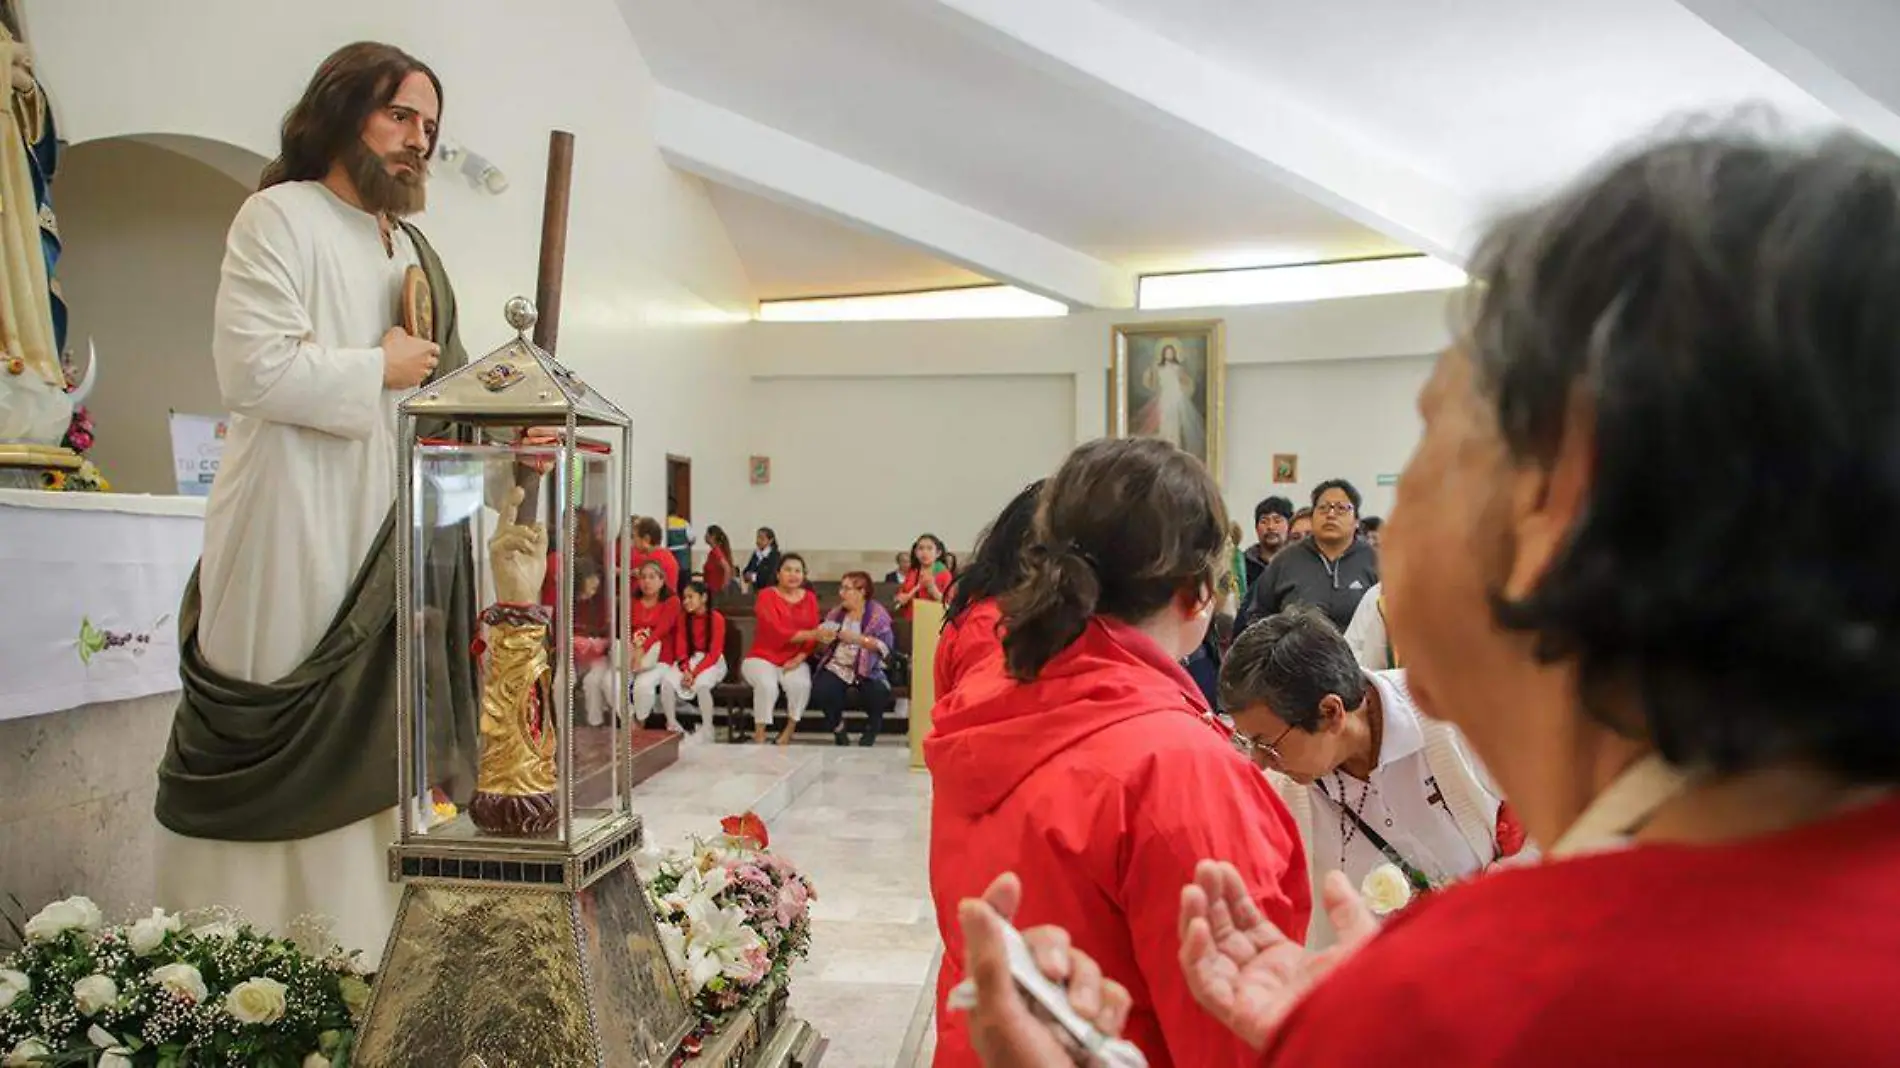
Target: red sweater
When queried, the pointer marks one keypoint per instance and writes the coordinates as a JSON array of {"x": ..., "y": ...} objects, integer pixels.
[
  {"x": 914, "y": 579},
  {"x": 1778, "y": 951},
  {"x": 778, "y": 620},
  {"x": 718, "y": 569},
  {"x": 661, "y": 620},
  {"x": 1102, "y": 786},
  {"x": 705, "y": 633},
  {"x": 971, "y": 639}
]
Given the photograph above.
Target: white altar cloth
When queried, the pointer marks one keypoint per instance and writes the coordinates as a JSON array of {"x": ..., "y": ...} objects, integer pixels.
[{"x": 90, "y": 584}]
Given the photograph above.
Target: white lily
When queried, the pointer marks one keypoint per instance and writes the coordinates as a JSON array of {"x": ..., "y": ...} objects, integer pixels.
[
  {"x": 693, "y": 961},
  {"x": 723, "y": 936},
  {"x": 696, "y": 886}
]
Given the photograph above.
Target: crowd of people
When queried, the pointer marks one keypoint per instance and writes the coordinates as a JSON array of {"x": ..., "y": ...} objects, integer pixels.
[
  {"x": 1630, "y": 755},
  {"x": 798, "y": 652}
]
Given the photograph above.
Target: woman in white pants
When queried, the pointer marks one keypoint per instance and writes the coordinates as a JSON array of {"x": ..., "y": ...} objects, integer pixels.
[
  {"x": 787, "y": 631},
  {"x": 656, "y": 620},
  {"x": 699, "y": 661}
]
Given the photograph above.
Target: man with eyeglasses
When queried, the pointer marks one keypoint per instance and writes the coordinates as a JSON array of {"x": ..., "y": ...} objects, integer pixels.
[
  {"x": 1369, "y": 780},
  {"x": 1332, "y": 570}
]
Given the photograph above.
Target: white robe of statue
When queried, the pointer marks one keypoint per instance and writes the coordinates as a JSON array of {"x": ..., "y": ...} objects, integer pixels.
[{"x": 308, "y": 476}]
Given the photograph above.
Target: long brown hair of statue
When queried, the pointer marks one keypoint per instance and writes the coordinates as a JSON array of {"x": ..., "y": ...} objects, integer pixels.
[
  {"x": 350, "y": 85},
  {"x": 1123, "y": 528}
]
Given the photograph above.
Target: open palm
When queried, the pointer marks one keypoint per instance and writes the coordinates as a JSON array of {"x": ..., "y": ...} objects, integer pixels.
[{"x": 1241, "y": 968}]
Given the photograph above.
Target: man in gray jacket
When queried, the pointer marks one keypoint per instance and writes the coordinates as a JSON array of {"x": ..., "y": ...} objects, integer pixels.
[{"x": 1332, "y": 570}]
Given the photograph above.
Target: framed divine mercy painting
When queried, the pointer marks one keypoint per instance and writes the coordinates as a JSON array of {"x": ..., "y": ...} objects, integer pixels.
[{"x": 1168, "y": 381}]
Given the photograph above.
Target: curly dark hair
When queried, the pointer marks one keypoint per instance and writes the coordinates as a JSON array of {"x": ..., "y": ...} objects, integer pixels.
[
  {"x": 350, "y": 85},
  {"x": 1722, "y": 305}
]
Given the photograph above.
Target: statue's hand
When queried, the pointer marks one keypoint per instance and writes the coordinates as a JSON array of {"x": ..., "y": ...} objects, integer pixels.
[
  {"x": 518, "y": 554},
  {"x": 20, "y": 68}
]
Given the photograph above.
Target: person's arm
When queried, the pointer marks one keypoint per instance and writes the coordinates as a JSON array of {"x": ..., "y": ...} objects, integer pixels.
[
  {"x": 1366, "y": 633},
  {"x": 1220, "y": 807},
  {"x": 267, "y": 367}
]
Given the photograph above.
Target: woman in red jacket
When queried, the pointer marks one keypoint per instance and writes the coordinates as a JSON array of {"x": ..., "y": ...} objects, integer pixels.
[
  {"x": 1086, "y": 760},
  {"x": 786, "y": 633},
  {"x": 698, "y": 653},
  {"x": 656, "y": 616},
  {"x": 970, "y": 634}
]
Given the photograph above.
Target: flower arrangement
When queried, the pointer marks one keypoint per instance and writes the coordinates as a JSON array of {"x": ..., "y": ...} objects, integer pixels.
[
  {"x": 87, "y": 478},
  {"x": 734, "y": 918},
  {"x": 161, "y": 992}
]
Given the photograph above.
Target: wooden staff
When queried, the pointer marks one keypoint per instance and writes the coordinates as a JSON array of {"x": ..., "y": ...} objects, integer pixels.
[{"x": 547, "y": 290}]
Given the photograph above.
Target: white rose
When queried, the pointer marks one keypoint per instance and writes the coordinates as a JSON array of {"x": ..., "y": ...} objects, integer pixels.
[
  {"x": 95, "y": 994},
  {"x": 28, "y": 1053},
  {"x": 146, "y": 935},
  {"x": 355, "y": 993},
  {"x": 1386, "y": 889},
  {"x": 72, "y": 914},
  {"x": 12, "y": 985},
  {"x": 182, "y": 980},
  {"x": 256, "y": 1001},
  {"x": 113, "y": 1058},
  {"x": 316, "y": 1060}
]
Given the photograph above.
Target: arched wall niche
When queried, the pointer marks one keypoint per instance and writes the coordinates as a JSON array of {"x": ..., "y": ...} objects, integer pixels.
[{"x": 143, "y": 219}]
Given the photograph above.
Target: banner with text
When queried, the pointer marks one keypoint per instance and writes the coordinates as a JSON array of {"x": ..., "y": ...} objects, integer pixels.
[{"x": 197, "y": 448}]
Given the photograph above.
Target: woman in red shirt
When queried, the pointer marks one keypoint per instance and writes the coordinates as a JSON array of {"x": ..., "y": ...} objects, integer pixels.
[
  {"x": 786, "y": 633},
  {"x": 1087, "y": 760},
  {"x": 970, "y": 634},
  {"x": 718, "y": 569},
  {"x": 698, "y": 655},
  {"x": 655, "y": 618},
  {"x": 929, "y": 575},
  {"x": 1699, "y": 724}
]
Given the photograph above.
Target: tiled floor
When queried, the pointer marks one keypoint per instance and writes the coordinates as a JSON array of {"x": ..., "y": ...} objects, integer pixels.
[{"x": 857, "y": 822}]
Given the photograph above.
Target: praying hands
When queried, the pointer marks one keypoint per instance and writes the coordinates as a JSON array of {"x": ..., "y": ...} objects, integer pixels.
[{"x": 1242, "y": 969}]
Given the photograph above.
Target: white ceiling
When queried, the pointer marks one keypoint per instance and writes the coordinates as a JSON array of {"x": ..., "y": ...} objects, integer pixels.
[
  {"x": 1157, "y": 135},
  {"x": 790, "y": 253}
]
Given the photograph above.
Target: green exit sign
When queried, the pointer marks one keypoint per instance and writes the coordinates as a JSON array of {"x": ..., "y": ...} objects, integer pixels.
[{"x": 1388, "y": 480}]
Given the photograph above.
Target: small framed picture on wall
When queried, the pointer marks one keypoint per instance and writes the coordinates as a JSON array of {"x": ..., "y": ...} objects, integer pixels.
[
  {"x": 761, "y": 470},
  {"x": 1286, "y": 467},
  {"x": 1167, "y": 381}
]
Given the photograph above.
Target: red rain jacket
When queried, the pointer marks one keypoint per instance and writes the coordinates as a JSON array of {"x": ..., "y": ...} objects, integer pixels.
[{"x": 1102, "y": 784}]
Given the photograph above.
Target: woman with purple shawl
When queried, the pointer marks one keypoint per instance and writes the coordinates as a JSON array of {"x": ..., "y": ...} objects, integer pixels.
[{"x": 857, "y": 636}]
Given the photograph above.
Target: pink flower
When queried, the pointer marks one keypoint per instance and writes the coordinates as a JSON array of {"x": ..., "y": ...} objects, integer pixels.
[
  {"x": 792, "y": 902},
  {"x": 761, "y": 962}
]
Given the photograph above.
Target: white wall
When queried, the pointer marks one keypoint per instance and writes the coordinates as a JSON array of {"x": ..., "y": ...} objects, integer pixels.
[
  {"x": 870, "y": 463},
  {"x": 144, "y": 235},
  {"x": 653, "y": 285},
  {"x": 1331, "y": 381},
  {"x": 1351, "y": 419}
]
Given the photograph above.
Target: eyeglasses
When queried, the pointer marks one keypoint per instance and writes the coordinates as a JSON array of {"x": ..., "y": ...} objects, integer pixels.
[
  {"x": 1334, "y": 508},
  {"x": 1254, "y": 748}
]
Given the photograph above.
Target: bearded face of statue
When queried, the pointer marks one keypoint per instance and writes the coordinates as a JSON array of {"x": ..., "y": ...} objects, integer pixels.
[{"x": 389, "y": 166}]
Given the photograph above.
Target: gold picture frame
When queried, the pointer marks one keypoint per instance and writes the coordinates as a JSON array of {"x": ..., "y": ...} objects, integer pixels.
[{"x": 1188, "y": 410}]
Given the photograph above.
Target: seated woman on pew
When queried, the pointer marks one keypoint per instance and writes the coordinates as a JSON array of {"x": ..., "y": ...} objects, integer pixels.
[
  {"x": 928, "y": 577},
  {"x": 970, "y": 631},
  {"x": 858, "y": 636},
  {"x": 656, "y": 616},
  {"x": 787, "y": 629},
  {"x": 698, "y": 656}
]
